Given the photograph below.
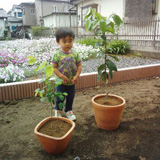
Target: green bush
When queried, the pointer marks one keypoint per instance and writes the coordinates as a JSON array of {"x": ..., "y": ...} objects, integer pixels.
[
  {"x": 36, "y": 30},
  {"x": 90, "y": 41},
  {"x": 5, "y": 33},
  {"x": 118, "y": 47}
]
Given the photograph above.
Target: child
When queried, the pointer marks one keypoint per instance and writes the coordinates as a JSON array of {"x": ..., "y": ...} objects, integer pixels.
[{"x": 67, "y": 66}]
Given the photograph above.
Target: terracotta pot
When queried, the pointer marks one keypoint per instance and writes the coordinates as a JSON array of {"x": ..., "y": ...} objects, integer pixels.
[
  {"x": 51, "y": 144},
  {"x": 108, "y": 117}
]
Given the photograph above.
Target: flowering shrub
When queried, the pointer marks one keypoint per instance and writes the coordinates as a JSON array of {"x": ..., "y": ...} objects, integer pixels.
[{"x": 11, "y": 74}]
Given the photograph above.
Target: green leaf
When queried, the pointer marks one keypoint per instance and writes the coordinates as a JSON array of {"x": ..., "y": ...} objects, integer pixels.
[
  {"x": 49, "y": 70},
  {"x": 103, "y": 26},
  {"x": 58, "y": 81},
  {"x": 88, "y": 25},
  {"x": 41, "y": 94},
  {"x": 42, "y": 65},
  {"x": 61, "y": 97},
  {"x": 104, "y": 76},
  {"x": 99, "y": 77},
  {"x": 88, "y": 13},
  {"x": 99, "y": 16},
  {"x": 101, "y": 68},
  {"x": 37, "y": 91},
  {"x": 112, "y": 67},
  {"x": 117, "y": 20},
  {"x": 43, "y": 99},
  {"x": 60, "y": 105},
  {"x": 103, "y": 37},
  {"x": 53, "y": 101},
  {"x": 37, "y": 68},
  {"x": 97, "y": 31},
  {"x": 114, "y": 57},
  {"x": 65, "y": 94},
  {"x": 95, "y": 25},
  {"x": 31, "y": 60}
]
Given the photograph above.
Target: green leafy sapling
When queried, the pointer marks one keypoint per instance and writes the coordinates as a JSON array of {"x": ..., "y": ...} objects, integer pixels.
[
  {"x": 48, "y": 91},
  {"x": 102, "y": 26}
]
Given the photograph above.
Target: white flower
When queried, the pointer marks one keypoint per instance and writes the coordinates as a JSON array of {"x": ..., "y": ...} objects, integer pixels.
[{"x": 11, "y": 74}]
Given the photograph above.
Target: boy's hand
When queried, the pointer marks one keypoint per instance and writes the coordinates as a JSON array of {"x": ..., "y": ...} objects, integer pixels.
[
  {"x": 74, "y": 80},
  {"x": 65, "y": 79}
]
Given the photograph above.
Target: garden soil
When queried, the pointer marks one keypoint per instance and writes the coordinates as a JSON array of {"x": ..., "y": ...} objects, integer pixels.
[{"x": 137, "y": 138}]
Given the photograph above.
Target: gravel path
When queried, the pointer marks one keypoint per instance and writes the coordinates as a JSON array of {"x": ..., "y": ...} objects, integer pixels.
[{"x": 124, "y": 62}]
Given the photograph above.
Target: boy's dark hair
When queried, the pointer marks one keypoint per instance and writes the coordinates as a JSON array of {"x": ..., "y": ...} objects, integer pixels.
[{"x": 64, "y": 32}]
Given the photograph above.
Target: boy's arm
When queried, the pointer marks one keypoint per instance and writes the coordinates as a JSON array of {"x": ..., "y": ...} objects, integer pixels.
[
  {"x": 79, "y": 69},
  {"x": 59, "y": 74}
]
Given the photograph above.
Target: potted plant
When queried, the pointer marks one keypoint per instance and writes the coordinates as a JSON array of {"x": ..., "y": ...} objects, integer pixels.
[
  {"x": 107, "y": 107},
  {"x": 53, "y": 132}
]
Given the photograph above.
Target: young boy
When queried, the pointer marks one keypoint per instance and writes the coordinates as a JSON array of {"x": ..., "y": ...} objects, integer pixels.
[{"x": 67, "y": 66}]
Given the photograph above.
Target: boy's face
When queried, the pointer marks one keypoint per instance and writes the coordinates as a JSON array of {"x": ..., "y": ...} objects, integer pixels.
[{"x": 66, "y": 43}]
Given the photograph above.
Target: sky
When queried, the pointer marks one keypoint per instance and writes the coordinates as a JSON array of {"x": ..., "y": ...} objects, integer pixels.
[{"x": 7, "y": 4}]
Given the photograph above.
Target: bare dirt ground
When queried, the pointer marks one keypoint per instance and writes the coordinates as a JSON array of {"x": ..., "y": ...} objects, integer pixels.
[{"x": 137, "y": 138}]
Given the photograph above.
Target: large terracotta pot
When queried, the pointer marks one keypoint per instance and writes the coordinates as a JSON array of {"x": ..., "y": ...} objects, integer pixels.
[
  {"x": 51, "y": 144},
  {"x": 108, "y": 117}
]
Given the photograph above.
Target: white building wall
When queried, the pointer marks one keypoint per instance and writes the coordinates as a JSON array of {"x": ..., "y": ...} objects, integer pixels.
[
  {"x": 109, "y": 7},
  {"x": 59, "y": 21},
  {"x": 2, "y": 27},
  {"x": 105, "y": 7}
]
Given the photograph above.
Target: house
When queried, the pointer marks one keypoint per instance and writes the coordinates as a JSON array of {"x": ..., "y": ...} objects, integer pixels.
[
  {"x": 141, "y": 20},
  {"x": 28, "y": 15},
  {"x": 14, "y": 20},
  {"x": 54, "y": 13},
  {"x": 129, "y": 11},
  {"x": 126, "y": 9},
  {"x": 3, "y": 18}
]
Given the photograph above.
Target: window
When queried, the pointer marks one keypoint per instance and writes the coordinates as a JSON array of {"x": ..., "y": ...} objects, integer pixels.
[
  {"x": 19, "y": 14},
  {"x": 13, "y": 28},
  {"x": 32, "y": 11},
  {"x": 54, "y": 9},
  {"x": 23, "y": 10},
  {"x": 84, "y": 10},
  {"x": 155, "y": 6}
]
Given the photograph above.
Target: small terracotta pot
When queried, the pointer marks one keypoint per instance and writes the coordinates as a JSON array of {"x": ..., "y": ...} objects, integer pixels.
[
  {"x": 51, "y": 144},
  {"x": 108, "y": 117}
]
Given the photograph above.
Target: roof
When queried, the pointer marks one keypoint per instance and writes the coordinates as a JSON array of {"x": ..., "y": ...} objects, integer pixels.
[
  {"x": 2, "y": 17},
  {"x": 27, "y": 4},
  {"x": 60, "y": 13},
  {"x": 76, "y": 1},
  {"x": 59, "y": 1}
]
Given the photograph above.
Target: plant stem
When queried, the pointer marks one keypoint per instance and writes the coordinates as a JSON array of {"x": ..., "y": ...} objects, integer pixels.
[
  {"x": 51, "y": 113},
  {"x": 106, "y": 80}
]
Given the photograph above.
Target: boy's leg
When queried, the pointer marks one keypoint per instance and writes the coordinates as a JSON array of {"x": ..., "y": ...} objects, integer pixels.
[
  {"x": 70, "y": 97},
  {"x": 69, "y": 103}
]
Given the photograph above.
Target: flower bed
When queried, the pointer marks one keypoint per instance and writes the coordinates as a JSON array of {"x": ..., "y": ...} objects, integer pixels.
[{"x": 13, "y": 56}]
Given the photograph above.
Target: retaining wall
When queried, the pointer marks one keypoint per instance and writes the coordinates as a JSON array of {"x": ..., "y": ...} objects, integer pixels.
[{"x": 25, "y": 89}]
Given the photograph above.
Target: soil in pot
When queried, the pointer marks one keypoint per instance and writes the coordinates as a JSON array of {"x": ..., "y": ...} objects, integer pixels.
[
  {"x": 108, "y": 100},
  {"x": 55, "y": 128}
]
